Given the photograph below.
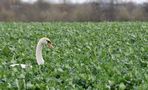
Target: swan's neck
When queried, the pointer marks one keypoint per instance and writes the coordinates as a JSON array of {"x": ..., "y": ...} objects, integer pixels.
[{"x": 39, "y": 56}]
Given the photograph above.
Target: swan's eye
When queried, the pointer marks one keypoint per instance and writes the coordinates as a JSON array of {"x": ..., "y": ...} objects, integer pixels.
[{"x": 48, "y": 41}]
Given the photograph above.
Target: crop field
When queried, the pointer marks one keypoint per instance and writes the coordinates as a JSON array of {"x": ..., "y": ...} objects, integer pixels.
[{"x": 92, "y": 56}]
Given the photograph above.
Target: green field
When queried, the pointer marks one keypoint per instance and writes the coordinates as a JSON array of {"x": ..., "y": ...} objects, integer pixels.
[{"x": 101, "y": 56}]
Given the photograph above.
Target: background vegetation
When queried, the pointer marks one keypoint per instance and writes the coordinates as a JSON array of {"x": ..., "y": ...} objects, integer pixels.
[{"x": 14, "y": 10}]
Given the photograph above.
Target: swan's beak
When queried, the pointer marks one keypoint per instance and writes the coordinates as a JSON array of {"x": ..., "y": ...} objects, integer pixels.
[{"x": 50, "y": 45}]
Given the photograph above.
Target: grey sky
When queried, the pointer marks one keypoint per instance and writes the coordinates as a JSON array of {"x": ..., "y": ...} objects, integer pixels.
[{"x": 81, "y": 1}]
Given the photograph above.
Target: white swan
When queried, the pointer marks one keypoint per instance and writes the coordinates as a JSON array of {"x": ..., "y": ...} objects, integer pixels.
[{"x": 39, "y": 57}]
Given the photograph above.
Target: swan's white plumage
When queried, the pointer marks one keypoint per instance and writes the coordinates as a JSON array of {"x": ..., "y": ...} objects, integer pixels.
[
  {"x": 39, "y": 46},
  {"x": 39, "y": 57},
  {"x": 22, "y": 65}
]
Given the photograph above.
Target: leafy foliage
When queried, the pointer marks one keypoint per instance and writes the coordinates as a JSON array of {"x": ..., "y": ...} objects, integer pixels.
[{"x": 107, "y": 55}]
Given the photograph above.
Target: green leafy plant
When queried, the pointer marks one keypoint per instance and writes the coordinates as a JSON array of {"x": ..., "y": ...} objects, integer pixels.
[{"x": 106, "y": 55}]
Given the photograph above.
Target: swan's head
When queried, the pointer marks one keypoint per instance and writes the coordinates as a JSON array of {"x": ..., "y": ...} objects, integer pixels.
[{"x": 47, "y": 41}]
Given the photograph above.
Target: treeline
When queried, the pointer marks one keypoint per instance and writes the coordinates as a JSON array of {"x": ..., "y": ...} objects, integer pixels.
[{"x": 42, "y": 11}]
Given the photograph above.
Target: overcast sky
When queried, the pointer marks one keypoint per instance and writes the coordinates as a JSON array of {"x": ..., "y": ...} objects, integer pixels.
[
  {"x": 81, "y": 1},
  {"x": 138, "y": 1}
]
